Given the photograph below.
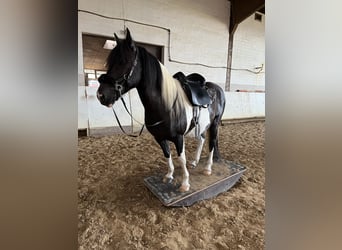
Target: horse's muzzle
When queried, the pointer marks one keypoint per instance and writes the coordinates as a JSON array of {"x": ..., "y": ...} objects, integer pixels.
[{"x": 105, "y": 101}]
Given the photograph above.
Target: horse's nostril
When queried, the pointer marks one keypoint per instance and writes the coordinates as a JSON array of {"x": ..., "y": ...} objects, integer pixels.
[{"x": 99, "y": 96}]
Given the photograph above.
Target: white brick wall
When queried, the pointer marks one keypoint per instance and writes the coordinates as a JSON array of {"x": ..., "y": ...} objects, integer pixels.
[
  {"x": 244, "y": 105},
  {"x": 248, "y": 53},
  {"x": 199, "y": 34},
  {"x": 199, "y": 30}
]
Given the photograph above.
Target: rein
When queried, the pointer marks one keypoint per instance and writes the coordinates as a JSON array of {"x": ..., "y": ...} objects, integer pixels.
[
  {"x": 118, "y": 85},
  {"x": 143, "y": 125},
  {"x": 117, "y": 119}
]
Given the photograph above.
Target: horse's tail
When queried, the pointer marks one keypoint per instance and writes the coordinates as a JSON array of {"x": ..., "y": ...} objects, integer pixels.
[{"x": 217, "y": 106}]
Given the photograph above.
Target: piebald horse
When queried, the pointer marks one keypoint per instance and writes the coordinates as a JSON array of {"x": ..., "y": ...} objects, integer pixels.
[{"x": 168, "y": 112}]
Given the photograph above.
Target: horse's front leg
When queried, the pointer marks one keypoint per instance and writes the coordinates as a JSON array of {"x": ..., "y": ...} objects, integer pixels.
[
  {"x": 179, "y": 142},
  {"x": 198, "y": 150},
  {"x": 166, "y": 150}
]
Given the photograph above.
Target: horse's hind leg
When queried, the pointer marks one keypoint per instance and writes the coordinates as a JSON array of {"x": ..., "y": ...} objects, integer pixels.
[
  {"x": 198, "y": 150},
  {"x": 179, "y": 142},
  {"x": 166, "y": 150},
  {"x": 214, "y": 153}
]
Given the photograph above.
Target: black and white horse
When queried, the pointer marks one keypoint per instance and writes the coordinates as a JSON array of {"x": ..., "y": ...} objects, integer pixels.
[{"x": 168, "y": 112}]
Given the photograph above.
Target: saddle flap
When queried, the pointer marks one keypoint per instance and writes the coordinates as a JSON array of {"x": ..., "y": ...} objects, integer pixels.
[
  {"x": 194, "y": 88},
  {"x": 198, "y": 95}
]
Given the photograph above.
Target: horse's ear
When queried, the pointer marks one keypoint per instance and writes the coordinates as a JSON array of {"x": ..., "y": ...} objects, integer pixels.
[
  {"x": 117, "y": 39},
  {"x": 129, "y": 40}
]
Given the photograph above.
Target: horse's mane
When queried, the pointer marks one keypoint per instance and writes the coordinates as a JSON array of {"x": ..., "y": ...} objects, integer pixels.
[
  {"x": 171, "y": 89},
  {"x": 151, "y": 69},
  {"x": 114, "y": 56},
  {"x": 171, "y": 92}
]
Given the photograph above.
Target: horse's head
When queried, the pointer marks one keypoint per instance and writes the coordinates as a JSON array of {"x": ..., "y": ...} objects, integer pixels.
[{"x": 123, "y": 71}]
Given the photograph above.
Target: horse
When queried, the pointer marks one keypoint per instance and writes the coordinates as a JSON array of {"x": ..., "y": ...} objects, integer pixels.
[{"x": 168, "y": 112}]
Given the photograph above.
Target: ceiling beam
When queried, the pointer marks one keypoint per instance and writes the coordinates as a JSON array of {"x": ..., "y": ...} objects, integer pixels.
[{"x": 241, "y": 9}]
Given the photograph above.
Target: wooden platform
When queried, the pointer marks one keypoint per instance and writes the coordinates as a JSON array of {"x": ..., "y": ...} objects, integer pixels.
[{"x": 224, "y": 175}]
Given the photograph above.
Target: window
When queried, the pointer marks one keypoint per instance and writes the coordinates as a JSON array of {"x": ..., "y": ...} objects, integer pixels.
[{"x": 91, "y": 76}]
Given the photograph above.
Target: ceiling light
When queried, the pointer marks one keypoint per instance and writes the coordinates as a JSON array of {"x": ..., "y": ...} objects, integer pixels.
[{"x": 109, "y": 44}]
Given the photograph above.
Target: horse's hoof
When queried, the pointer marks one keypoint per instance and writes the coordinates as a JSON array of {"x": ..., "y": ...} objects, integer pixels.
[
  {"x": 193, "y": 164},
  {"x": 184, "y": 188},
  {"x": 207, "y": 172},
  {"x": 167, "y": 179}
]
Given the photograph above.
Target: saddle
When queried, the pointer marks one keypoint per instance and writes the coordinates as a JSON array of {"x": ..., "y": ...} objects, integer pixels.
[{"x": 195, "y": 88}]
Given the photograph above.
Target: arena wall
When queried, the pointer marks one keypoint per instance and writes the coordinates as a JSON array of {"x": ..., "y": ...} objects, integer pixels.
[{"x": 198, "y": 35}]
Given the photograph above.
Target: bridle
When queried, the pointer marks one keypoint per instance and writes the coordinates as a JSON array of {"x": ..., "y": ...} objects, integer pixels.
[
  {"x": 119, "y": 82},
  {"x": 118, "y": 86}
]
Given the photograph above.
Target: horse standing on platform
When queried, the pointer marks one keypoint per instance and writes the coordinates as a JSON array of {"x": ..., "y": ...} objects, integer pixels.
[{"x": 168, "y": 111}]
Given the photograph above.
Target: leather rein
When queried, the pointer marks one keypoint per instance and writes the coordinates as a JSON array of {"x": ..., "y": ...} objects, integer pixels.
[{"x": 118, "y": 86}]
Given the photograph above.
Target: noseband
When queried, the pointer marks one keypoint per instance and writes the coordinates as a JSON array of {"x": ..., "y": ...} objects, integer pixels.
[{"x": 119, "y": 82}]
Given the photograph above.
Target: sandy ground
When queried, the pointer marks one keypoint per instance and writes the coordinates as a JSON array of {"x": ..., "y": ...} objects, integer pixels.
[{"x": 116, "y": 210}]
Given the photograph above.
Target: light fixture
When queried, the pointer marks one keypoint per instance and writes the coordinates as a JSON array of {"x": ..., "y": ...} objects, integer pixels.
[{"x": 109, "y": 44}]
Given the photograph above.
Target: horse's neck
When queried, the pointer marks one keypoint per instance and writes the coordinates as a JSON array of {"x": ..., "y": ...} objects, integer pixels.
[
  {"x": 152, "y": 97},
  {"x": 149, "y": 97}
]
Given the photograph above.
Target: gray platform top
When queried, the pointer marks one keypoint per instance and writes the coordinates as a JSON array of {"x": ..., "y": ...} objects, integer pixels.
[{"x": 224, "y": 175}]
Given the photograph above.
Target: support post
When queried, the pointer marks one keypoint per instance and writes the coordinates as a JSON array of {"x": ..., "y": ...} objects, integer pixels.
[{"x": 229, "y": 59}]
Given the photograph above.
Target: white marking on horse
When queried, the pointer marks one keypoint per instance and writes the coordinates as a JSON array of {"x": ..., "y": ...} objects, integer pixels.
[
  {"x": 169, "y": 176},
  {"x": 185, "y": 182},
  {"x": 198, "y": 151},
  {"x": 171, "y": 91},
  {"x": 207, "y": 168},
  {"x": 204, "y": 121}
]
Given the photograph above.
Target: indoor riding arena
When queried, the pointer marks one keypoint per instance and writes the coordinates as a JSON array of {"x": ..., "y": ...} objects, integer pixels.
[
  {"x": 129, "y": 56},
  {"x": 117, "y": 211}
]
